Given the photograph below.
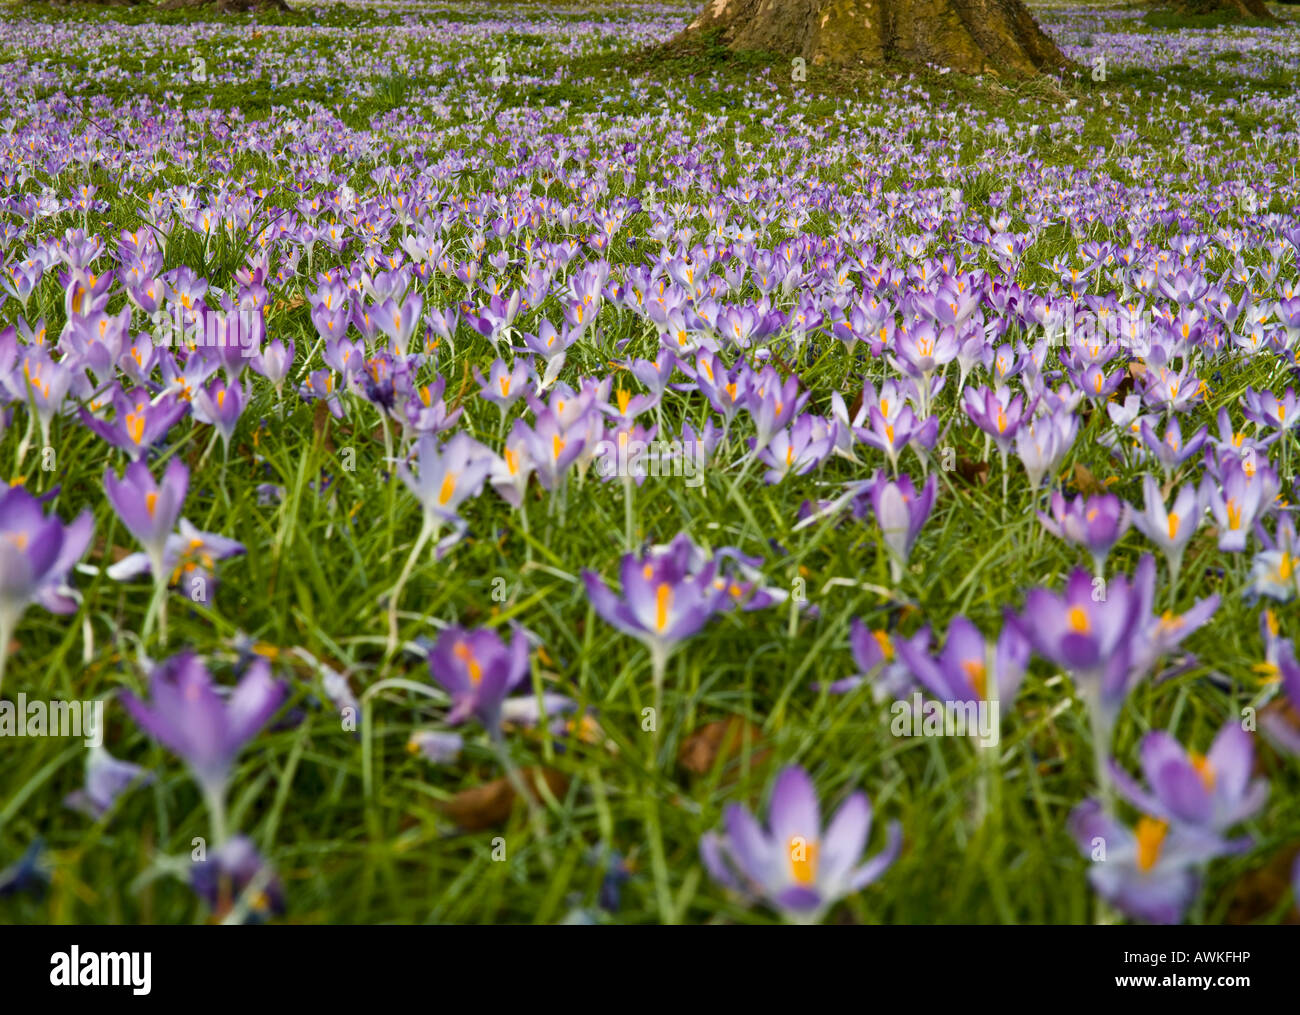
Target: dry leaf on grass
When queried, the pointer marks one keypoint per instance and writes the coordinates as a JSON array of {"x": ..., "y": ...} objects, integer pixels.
[
  {"x": 724, "y": 740},
  {"x": 489, "y": 805}
]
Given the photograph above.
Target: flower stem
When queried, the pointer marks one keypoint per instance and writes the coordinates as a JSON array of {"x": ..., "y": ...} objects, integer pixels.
[
  {"x": 427, "y": 528},
  {"x": 628, "y": 520},
  {"x": 6, "y": 635},
  {"x": 216, "y": 803},
  {"x": 522, "y": 790}
]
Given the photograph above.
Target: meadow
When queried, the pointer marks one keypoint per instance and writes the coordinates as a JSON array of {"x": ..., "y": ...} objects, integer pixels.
[{"x": 493, "y": 467}]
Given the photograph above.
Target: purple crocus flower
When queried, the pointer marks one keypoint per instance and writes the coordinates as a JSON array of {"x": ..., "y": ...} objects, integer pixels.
[
  {"x": 1151, "y": 872},
  {"x": 960, "y": 673},
  {"x": 1096, "y": 523},
  {"x": 188, "y": 716},
  {"x": 235, "y": 874},
  {"x": 900, "y": 512},
  {"x": 1172, "y": 451},
  {"x": 996, "y": 413},
  {"x": 1211, "y": 791},
  {"x": 1238, "y": 500},
  {"x": 1288, "y": 669},
  {"x": 1088, "y": 631},
  {"x": 107, "y": 778},
  {"x": 36, "y": 553},
  {"x": 1171, "y": 529},
  {"x": 478, "y": 670},
  {"x": 877, "y": 661},
  {"x": 663, "y": 603},
  {"x": 149, "y": 509},
  {"x": 795, "y": 865},
  {"x": 220, "y": 404},
  {"x": 504, "y": 385},
  {"x": 138, "y": 422}
]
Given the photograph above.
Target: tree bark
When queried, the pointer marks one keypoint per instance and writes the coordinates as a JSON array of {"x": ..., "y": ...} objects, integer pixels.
[
  {"x": 967, "y": 35},
  {"x": 1240, "y": 8},
  {"x": 228, "y": 6}
]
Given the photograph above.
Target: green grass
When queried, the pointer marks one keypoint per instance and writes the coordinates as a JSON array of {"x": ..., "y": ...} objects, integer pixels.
[{"x": 354, "y": 824}]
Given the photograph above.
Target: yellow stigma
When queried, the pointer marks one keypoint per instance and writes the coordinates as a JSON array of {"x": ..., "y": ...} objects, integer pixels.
[
  {"x": 150, "y": 502},
  {"x": 1079, "y": 622},
  {"x": 466, "y": 655},
  {"x": 663, "y": 600},
  {"x": 557, "y": 445},
  {"x": 1173, "y": 525},
  {"x": 135, "y": 427},
  {"x": 505, "y": 387},
  {"x": 448, "y": 488},
  {"x": 624, "y": 397},
  {"x": 1234, "y": 514},
  {"x": 1150, "y": 838},
  {"x": 1203, "y": 768},
  {"x": 979, "y": 677},
  {"x": 803, "y": 860}
]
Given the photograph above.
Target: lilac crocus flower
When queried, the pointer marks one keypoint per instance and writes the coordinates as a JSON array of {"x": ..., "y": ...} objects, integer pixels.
[
  {"x": 447, "y": 475},
  {"x": 478, "y": 670},
  {"x": 900, "y": 512},
  {"x": 1096, "y": 523},
  {"x": 1042, "y": 444},
  {"x": 798, "y": 449},
  {"x": 149, "y": 509},
  {"x": 274, "y": 362},
  {"x": 36, "y": 553},
  {"x": 235, "y": 874},
  {"x": 961, "y": 672},
  {"x": 107, "y": 778},
  {"x": 220, "y": 404},
  {"x": 188, "y": 716},
  {"x": 663, "y": 603},
  {"x": 504, "y": 385},
  {"x": 438, "y": 746},
  {"x": 795, "y": 865},
  {"x": 1288, "y": 670},
  {"x": 1172, "y": 451},
  {"x": 877, "y": 661},
  {"x": 996, "y": 413},
  {"x": 138, "y": 422},
  {"x": 1171, "y": 529},
  {"x": 1238, "y": 500},
  {"x": 1088, "y": 631},
  {"x": 1211, "y": 792},
  {"x": 1150, "y": 872},
  {"x": 1267, "y": 410}
]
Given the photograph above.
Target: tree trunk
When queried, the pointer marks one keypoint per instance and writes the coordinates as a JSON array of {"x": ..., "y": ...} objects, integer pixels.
[
  {"x": 228, "y": 6},
  {"x": 1240, "y": 8},
  {"x": 967, "y": 35}
]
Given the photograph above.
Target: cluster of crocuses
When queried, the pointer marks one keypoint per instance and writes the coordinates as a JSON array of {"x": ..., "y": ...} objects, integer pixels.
[
  {"x": 753, "y": 289},
  {"x": 207, "y": 726}
]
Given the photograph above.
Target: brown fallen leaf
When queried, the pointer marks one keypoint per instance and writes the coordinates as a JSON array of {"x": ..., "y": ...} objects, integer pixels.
[
  {"x": 489, "y": 805},
  {"x": 1257, "y": 893},
  {"x": 973, "y": 473},
  {"x": 1085, "y": 482},
  {"x": 320, "y": 426},
  {"x": 724, "y": 740}
]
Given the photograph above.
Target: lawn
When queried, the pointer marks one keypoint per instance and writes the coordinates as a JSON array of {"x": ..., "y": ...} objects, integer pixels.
[{"x": 876, "y": 325}]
